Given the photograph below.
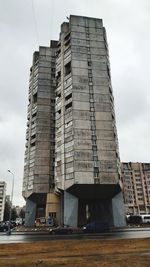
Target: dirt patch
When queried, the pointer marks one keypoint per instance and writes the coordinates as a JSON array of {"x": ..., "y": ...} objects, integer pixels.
[{"x": 75, "y": 253}]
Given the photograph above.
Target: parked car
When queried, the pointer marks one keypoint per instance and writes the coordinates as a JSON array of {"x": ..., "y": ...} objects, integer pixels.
[
  {"x": 96, "y": 227},
  {"x": 61, "y": 230},
  {"x": 4, "y": 226}
]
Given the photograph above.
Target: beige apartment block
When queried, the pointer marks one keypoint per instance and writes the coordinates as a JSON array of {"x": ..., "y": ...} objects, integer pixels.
[{"x": 136, "y": 187}]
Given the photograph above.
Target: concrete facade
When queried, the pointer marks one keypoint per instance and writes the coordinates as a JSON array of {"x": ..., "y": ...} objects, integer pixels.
[
  {"x": 40, "y": 144},
  {"x": 87, "y": 176},
  {"x": 87, "y": 157},
  {"x": 136, "y": 187},
  {"x": 2, "y": 199}
]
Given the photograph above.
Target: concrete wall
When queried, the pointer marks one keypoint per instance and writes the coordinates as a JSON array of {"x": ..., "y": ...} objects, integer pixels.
[
  {"x": 70, "y": 210},
  {"x": 118, "y": 211},
  {"x": 30, "y": 213}
]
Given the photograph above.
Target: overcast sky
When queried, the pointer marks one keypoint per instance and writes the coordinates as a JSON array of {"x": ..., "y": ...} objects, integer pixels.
[{"x": 23, "y": 28}]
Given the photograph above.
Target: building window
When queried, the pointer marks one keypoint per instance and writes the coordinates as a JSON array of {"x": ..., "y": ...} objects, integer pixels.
[
  {"x": 35, "y": 98},
  {"x": 68, "y": 68}
]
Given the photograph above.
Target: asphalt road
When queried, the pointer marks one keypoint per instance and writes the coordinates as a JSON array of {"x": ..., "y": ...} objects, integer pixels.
[{"x": 33, "y": 237}]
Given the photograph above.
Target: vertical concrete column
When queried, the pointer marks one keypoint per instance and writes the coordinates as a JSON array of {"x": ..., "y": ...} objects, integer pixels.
[
  {"x": 30, "y": 213},
  {"x": 118, "y": 212},
  {"x": 70, "y": 210}
]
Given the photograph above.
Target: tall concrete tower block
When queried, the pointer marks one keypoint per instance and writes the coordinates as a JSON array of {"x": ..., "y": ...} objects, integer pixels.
[
  {"x": 39, "y": 153},
  {"x": 87, "y": 164}
]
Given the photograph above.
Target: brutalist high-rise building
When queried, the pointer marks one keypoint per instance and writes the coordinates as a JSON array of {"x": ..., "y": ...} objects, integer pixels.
[
  {"x": 40, "y": 134},
  {"x": 87, "y": 164}
]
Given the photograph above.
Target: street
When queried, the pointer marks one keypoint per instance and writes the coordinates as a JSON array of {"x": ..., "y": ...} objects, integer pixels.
[{"x": 18, "y": 237}]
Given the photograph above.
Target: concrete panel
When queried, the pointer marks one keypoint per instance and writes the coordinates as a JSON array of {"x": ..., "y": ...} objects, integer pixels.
[
  {"x": 96, "y": 31},
  {"x": 82, "y": 144},
  {"x": 81, "y": 96},
  {"x": 108, "y": 178},
  {"x": 41, "y": 188},
  {"x": 78, "y": 35},
  {"x": 108, "y": 166},
  {"x": 83, "y": 115},
  {"x": 80, "y": 124},
  {"x": 106, "y": 155},
  {"x": 103, "y": 116},
  {"x": 78, "y": 56},
  {"x": 103, "y": 107},
  {"x": 41, "y": 169},
  {"x": 80, "y": 134},
  {"x": 84, "y": 177},
  {"x": 77, "y": 28},
  {"x": 30, "y": 213},
  {"x": 80, "y": 72},
  {"x": 83, "y": 155},
  {"x": 97, "y": 44},
  {"x": 104, "y": 125},
  {"x": 79, "y": 64},
  {"x": 102, "y": 98},
  {"x": 83, "y": 166},
  {"x": 97, "y": 51},
  {"x": 99, "y": 73},
  {"x": 78, "y": 42},
  {"x": 81, "y": 49},
  {"x": 70, "y": 210},
  {"x": 80, "y": 81},
  {"x": 96, "y": 37},
  {"x": 118, "y": 211},
  {"x": 106, "y": 145},
  {"x": 81, "y": 105},
  {"x": 101, "y": 81}
]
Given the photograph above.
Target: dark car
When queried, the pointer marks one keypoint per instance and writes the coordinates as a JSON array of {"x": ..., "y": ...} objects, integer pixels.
[
  {"x": 61, "y": 230},
  {"x": 96, "y": 227},
  {"x": 3, "y": 227}
]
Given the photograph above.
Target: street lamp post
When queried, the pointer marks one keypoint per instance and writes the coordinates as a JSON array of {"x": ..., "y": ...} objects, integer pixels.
[{"x": 11, "y": 199}]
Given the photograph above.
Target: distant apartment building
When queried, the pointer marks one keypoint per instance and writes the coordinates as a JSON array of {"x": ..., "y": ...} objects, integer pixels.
[
  {"x": 72, "y": 166},
  {"x": 136, "y": 187},
  {"x": 2, "y": 199}
]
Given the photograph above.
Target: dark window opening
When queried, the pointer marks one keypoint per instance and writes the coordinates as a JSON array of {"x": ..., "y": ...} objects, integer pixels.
[
  {"x": 68, "y": 97},
  {"x": 96, "y": 169},
  {"x": 68, "y": 68},
  {"x": 33, "y": 136},
  {"x": 67, "y": 42},
  {"x": 110, "y": 90},
  {"x": 89, "y": 63},
  {"x": 58, "y": 75},
  {"x": 58, "y": 94},
  {"x": 33, "y": 144},
  {"x": 67, "y": 36},
  {"x": 35, "y": 98},
  {"x": 68, "y": 105},
  {"x": 113, "y": 116},
  {"x": 108, "y": 71},
  {"x": 34, "y": 115},
  {"x": 59, "y": 111}
]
